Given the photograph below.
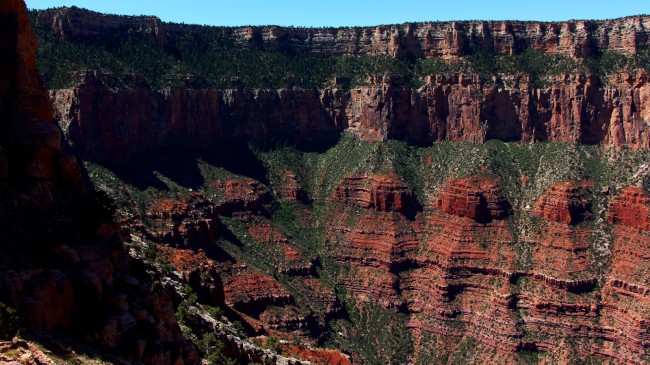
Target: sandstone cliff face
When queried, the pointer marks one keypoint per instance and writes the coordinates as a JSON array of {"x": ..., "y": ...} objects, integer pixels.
[
  {"x": 75, "y": 23},
  {"x": 115, "y": 125},
  {"x": 441, "y": 39},
  {"x": 31, "y": 158},
  {"x": 189, "y": 118},
  {"x": 63, "y": 268}
]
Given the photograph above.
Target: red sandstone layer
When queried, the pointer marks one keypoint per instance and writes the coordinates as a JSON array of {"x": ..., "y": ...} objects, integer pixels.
[{"x": 574, "y": 110}]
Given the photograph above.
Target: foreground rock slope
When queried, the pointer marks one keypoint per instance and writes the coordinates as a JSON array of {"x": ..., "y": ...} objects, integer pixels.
[{"x": 64, "y": 266}]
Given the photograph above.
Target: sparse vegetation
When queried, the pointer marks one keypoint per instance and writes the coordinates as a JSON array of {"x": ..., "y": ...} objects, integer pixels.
[
  {"x": 8, "y": 322},
  {"x": 206, "y": 56},
  {"x": 273, "y": 343},
  {"x": 207, "y": 343},
  {"x": 379, "y": 335},
  {"x": 210, "y": 348}
]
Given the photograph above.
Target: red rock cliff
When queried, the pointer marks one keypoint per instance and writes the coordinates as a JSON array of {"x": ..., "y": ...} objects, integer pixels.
[
  {"x": 31, "y": 158},
  {"x": 105, "y": 124},
  {"x": 62, "y": 270}
]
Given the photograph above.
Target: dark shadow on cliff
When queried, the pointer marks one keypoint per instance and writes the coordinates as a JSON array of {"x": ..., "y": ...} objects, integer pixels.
[
  {"x": 179, "y": 167},
  {"x": 236, "y": 157},
  {"x": 227, "y": 235},
  {"x": 182, "y": 166},
  {"x": 149, "y": 171},
  {"x": 320, "y": 146},
  {"x": 136, "y": 173}
]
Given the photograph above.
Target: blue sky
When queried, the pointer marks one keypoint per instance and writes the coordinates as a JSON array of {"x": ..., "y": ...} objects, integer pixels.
[{"x": 354, "y": 12}]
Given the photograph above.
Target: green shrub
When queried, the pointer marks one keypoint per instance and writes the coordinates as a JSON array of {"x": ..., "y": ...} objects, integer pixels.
[
  {"x": 8, "y": 322},
  {"x": 215, "y": 312},
  {"x": 183, "y": 314},
  {"x": 210, "y": 347},
  {"x": 273, "y": 343}
]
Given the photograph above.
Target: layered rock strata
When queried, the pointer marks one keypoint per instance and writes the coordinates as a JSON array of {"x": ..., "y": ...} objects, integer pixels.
[
  {"x": 114, "y": 125},
  {"x": 380, "y": 193},
  {"x": 578, "y": 38},
  {"x": 628, "y": 284},
  {"x": 458, "y": 271}
]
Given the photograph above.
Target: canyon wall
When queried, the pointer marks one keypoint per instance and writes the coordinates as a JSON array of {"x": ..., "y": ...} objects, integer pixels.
[
  {"x": 105, "y": 124},
  {"x": 63, "y": 269},
  {"x": 515, "y": 251},
  {"x": 31, "y": 157},
  {"x": 526, "y": 264},
  {"x": 577, "y": 38}
]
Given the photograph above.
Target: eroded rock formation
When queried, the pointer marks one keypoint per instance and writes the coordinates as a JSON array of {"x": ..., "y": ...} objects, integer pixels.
[
  {"x": 379, "y": 193},
  {"x": 565, "y": 203},
  {"x": 477, "y": 198},
  {"x": 574, "y": 109}
]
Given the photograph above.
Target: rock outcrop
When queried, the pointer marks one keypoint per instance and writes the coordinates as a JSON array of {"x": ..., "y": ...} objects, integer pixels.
[
  {"x": 631, "y": 208},
  {"x": 380, "y": 193},
  {"x": 566, "y": 203},
  {"x": 64, "y": 265},
  {"x": 291, "y": 190},
  {"x": 575, "y": 109},
  {"x": 578, "y": 38},
  {"x": 477, "y": 198}
]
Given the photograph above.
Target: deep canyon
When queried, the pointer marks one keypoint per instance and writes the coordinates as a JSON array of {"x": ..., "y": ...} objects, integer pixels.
[{"x": 443, "y": 218}]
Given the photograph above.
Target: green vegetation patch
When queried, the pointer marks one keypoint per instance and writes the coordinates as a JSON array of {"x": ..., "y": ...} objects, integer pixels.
[
  {"x": 8, "y": 322},
  {"x": 378, "y": 335}
]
